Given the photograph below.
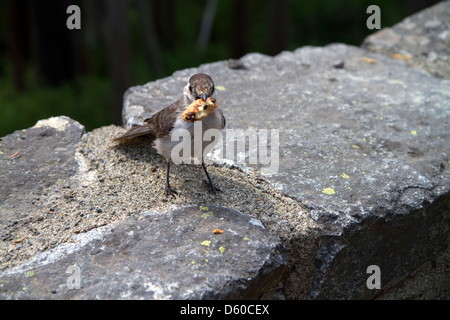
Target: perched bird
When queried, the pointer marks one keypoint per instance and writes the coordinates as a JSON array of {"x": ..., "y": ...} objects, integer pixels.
[{"x": 163, "y": 123}]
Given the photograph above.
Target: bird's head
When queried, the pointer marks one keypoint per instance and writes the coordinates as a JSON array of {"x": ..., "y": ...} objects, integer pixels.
[{"x": 200, "y": 86}]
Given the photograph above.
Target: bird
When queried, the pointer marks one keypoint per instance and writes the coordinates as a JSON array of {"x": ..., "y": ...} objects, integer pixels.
[{"x": 162, "y": 124}]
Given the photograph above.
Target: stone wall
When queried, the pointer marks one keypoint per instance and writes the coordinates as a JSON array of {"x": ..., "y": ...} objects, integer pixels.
[{"x": 362, "y": 180}]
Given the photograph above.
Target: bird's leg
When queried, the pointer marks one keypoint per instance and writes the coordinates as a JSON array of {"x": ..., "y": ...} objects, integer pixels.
[
  {"x": 212, "y": 189},
  {"x": 168, "y": 189}
]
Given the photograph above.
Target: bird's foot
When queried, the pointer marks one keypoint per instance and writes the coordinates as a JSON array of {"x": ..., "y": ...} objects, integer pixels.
[
  {"x": 171, "y": 192},
  {"x": 211, "y": 188}
]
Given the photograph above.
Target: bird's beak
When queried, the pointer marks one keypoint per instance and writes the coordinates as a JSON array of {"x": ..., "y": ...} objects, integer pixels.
[{"x": 203, "y": 96}]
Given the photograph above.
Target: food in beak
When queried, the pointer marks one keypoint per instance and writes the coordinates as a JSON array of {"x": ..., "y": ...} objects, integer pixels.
[{"x": 199, "y": 109}]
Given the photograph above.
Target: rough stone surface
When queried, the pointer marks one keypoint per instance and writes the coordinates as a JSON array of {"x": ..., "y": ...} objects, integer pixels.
[
  {"x": 35, "y": 158},
  {"x": 422, "y": 40},
  {"x": 364, "y": 147},
  {"x": 31, "y": 161},
  {"x": 362, "y": 180},
  {"x": 112, "y": 184},
  {"x": 153, "y": 255},
  {"x": 429, "y": 281}
]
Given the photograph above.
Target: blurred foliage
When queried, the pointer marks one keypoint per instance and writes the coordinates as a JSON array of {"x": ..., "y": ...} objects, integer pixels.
[{"x": 87, "y": 98}]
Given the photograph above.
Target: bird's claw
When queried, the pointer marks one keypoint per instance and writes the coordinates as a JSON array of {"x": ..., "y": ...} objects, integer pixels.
[
  {"x": 171, "y": 192},
  {"x": 211, "y": 188}
]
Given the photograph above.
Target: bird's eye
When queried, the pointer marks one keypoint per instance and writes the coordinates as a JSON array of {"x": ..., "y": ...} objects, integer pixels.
[{"x": 190, "y": 88}]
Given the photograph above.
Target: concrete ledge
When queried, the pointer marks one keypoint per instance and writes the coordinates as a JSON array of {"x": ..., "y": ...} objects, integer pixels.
[
  {"x": 154, "y": 255},
  {"x": 362, "y": 179}
]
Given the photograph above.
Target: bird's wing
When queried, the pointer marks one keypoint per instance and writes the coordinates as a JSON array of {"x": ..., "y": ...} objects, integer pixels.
[
  {"x": 163, "y": 121},
  {"x": 158, "y": 125},
  {"x": 134, "y": 132}
]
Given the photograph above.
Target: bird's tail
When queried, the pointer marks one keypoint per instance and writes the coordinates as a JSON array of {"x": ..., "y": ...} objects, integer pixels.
[{"x": 136, "y": 132}]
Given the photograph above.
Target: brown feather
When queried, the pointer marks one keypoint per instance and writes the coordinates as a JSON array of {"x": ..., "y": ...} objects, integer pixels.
[
  {"x": 163, "y": 121},
  {"x": 158, "y": 125},
  {"x": 135, "y": 132}
]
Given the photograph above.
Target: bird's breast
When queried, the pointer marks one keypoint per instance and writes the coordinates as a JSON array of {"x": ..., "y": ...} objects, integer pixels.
[{"x": 185, "y": 132}]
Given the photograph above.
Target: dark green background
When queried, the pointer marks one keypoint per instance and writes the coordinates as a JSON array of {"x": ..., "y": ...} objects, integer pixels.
[{"x": 89, "y": 87}]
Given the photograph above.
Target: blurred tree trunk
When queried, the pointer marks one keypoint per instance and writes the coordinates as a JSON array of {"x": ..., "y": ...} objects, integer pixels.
[
  {"x": 163, "y": 16},
  {"x": 240, "y": 28},
  {"x": 93, "y": 22},
  {"x": 279, "y": 26},
  {"x": 119, "y": 54},
  {"x": 54, "y": 44},
  {"x": 150, "y": 37},
  {"x": 16, "y": 40},
  {"x": 207, "y": 24},
  {"x": 93, "y": 17}
]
